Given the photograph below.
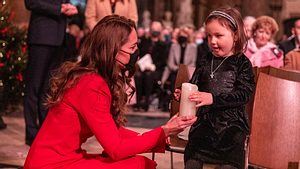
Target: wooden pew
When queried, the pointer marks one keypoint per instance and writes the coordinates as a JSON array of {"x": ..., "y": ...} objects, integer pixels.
[{"x": 275, "y": 134}]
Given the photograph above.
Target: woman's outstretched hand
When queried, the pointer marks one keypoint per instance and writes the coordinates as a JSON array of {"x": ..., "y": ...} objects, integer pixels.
[{"x": 177, "y": 124}]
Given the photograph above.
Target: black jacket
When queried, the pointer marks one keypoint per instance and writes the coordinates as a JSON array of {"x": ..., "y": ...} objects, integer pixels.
[
  {"x": 218, "y": 135},
  {"x": 47, "y": 24},
  {"x": 287, "y": 45},
  {"x": 158, "y": 51}
]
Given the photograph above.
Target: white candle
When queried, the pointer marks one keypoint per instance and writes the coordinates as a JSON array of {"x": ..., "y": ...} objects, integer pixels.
[{"x": 187, "y": 107}]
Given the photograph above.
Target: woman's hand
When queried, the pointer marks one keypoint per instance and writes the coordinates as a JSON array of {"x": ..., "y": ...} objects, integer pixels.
[
  {"x": 201, "y": 98},
  {"x": 177, "y": 124},
  {"x": 177, "y": 94}
]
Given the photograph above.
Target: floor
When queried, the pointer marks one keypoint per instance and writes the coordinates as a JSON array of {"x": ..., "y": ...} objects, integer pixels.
[{"x": 13, "y": 151}]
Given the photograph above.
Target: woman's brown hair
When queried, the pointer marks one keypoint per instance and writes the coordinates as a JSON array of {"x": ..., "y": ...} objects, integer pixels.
[
  {"x": 232, "y": 19},
  {"x": 98, "y": 54}
]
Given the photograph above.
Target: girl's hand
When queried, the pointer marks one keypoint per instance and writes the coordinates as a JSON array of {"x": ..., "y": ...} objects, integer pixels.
[
  {"x": 177, "y": 124},
  {"x": 177, "y": 94},
  {"x": 201, "y": 98}
]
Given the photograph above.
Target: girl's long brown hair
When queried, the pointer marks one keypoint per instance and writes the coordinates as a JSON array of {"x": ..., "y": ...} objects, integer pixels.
[{"x": 98, "y": 56}]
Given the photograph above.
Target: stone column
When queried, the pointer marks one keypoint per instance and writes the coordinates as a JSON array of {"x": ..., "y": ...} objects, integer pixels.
[
  {"x": 255, "y": 8},
  {"x": 185, "y": 13},
  {"x": 158, "y": 11}
]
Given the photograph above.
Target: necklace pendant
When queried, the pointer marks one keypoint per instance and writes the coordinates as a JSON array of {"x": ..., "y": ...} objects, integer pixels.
[{"x": 211, "y": 75}]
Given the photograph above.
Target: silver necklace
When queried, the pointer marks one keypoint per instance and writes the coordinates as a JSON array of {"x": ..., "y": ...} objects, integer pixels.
[{"x": 212, "y": 72}]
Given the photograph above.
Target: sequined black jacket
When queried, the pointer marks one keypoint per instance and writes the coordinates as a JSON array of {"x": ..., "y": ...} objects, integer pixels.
[{"x": 223, "y": 125}]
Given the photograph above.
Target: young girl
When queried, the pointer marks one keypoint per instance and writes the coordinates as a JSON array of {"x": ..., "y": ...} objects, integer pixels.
[{"x": 225, "y": 81}]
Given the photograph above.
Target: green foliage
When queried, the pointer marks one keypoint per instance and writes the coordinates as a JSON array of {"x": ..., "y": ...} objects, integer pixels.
[{"x": 13, "y": 58}]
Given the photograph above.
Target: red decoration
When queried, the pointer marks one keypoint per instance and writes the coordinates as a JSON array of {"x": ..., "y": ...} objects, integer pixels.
[
  {"x": 11, "y": 16},
  {"x": 4, "y": 30},
  {"x": 19, "y": 77},
  {"x": 9, "y": 53},
  {"x": 24, "y": 49}
]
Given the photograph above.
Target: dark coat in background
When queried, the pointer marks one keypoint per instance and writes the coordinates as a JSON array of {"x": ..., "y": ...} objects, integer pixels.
[{"x": 46, "y": 36}]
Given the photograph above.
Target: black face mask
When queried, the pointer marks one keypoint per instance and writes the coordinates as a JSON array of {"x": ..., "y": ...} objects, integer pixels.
[
  {"x": 182, "y": 39},
  {"x": 168, "y": 38},
  {"x": 133, "y": 59},
  {"x": 155, "y": 34}
]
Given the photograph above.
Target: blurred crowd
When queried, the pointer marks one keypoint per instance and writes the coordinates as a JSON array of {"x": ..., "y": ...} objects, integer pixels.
[{"x": 163, "y": 48}]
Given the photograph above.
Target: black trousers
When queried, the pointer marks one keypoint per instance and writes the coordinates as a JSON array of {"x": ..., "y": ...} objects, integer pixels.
[
  {"x": 43, "y": 59},
  {"x": 144, "y": 83}
]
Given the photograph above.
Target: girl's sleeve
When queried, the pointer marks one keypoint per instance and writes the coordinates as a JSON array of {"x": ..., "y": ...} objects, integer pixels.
[
  {"x": 118, "y": 143},
  {"x": 244, "y": 88}
]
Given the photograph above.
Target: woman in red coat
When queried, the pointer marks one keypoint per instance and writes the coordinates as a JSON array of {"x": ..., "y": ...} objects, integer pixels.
[{"x": 87, "y": 98}]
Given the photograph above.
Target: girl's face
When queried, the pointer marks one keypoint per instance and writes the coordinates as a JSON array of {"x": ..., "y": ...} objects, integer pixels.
[
  {"x": 128, "y": 48},
  {"x": 262, "y": 37},
  {"x": 220, "y": 39}
]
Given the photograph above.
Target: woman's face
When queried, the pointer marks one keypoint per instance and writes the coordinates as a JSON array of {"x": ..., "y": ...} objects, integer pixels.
[
  {"x": 261, "y": 37},
  {"x": 128, "y": 48},
  {"x": 220, "y": 39}
]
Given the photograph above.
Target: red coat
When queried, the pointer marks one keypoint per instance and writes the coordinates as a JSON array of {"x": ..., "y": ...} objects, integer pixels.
[{"x": 84, "y": 112}]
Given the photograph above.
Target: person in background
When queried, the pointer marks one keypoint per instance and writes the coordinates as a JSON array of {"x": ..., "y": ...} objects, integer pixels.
[
  {"x": 97, "y": 9},
  {"x": 46, "y": 33},
  {"x": 225, "y": 82},
  {"x": 166, "y": 33},
  {"x": 200, "y": 35},
  {"x": 202, "y": 44},
  {"x": 88, "y": 98},
  {"x": 293, "y": 42},
  {"x": 260, "y": 50},
  {"x": 140, "y": 32},
  {"x": 72, "y": 43},
  {"x": 145, "y": 80},
  {"x": 174, "y": 35},
  {"x": 292, "y": 60},
  {"x": 182, "y": 52},
  {"x": 248, "y": 22}
]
